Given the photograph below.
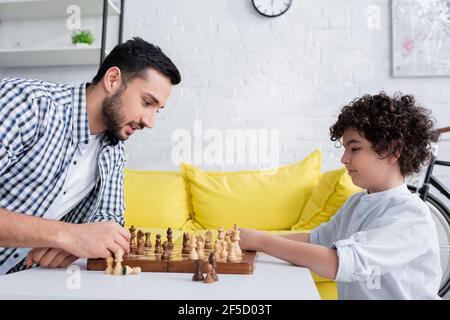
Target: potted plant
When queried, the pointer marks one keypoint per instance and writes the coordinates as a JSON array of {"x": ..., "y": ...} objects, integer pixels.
[{"x": 82, "y": 38}]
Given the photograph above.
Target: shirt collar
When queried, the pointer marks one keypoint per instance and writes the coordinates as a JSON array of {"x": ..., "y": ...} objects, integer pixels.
[
  {"x": 81, "y": 133},
  {"x": 385, "y": 194}
]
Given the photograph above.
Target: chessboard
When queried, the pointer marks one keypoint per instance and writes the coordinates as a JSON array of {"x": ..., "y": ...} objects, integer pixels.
[{"x": 177, "y": 259}]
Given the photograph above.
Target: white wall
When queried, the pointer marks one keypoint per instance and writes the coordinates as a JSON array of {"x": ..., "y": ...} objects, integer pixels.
[{"x": 241, "y": 70}]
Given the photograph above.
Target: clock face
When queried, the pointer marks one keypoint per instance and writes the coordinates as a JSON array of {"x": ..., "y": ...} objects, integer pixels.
[{"x": 272, "y": 8}]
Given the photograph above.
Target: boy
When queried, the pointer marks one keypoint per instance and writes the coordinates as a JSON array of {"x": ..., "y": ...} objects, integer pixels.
[{"x": 382, "y": 243}]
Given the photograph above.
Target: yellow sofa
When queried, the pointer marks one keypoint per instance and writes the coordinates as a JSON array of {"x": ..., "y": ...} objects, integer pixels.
[{"x": 292, "y": 198}]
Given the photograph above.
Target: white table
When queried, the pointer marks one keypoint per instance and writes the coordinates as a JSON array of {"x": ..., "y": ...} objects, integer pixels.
[{"x": 272, "y": 279}]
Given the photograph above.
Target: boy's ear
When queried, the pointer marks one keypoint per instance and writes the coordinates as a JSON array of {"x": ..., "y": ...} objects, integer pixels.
[{"x": 393, "y": 158}]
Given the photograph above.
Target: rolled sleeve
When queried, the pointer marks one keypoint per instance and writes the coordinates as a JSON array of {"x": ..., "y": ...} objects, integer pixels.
[{"x": 390, "y": 244}]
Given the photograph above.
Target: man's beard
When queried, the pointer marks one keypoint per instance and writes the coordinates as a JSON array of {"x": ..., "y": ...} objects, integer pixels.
[{"x": 112, "y": 114}]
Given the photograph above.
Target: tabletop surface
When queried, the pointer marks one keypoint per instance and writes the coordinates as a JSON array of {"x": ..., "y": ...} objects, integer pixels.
[{"x": 273, "y": 279}]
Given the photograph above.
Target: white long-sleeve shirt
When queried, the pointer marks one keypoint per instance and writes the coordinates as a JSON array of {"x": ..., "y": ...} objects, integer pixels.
[{"x": 387, "y": 246}]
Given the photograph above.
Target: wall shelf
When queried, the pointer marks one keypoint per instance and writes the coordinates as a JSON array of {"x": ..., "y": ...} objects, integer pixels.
[
  {"x": 28, "y": 21},
  {"x": 48, "y": 9},
  {"x": 38, "y": 57}
]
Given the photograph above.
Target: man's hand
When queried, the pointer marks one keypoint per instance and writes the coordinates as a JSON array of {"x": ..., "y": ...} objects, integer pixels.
[
  {"x": 252, "y": 240},
  {"x": 94, "y": 240},
  {"x": 50, "y": 257}
]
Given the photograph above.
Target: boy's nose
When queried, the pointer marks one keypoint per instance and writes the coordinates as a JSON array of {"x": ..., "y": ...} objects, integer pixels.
[{"x": 344, "y": 159}]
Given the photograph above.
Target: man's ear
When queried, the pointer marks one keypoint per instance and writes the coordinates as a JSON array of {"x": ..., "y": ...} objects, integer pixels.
[{"x": 112, "y": 79}]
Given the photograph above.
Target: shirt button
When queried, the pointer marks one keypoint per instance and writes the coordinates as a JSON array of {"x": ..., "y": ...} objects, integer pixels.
[
  {"x": 16, "y": 255},
  {"x": 75, "y": 163},
  {"x": 64, "y": 193},
  {"x": 86, "y": 142}
]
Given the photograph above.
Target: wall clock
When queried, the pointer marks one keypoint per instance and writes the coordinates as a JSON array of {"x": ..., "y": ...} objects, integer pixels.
[{"x": 272, "y": 8}]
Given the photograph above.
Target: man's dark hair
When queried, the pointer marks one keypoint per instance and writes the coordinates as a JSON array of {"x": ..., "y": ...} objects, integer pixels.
[
  {"x": 134, "y": 58},
  {"x": 394, "y": 126}
]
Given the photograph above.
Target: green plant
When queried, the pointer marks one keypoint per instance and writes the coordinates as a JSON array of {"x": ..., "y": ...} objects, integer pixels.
[{"x": 83, "y": 36}]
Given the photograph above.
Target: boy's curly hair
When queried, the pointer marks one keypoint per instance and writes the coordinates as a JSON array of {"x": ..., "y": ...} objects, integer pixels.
[{"x": 394, "y": 126}]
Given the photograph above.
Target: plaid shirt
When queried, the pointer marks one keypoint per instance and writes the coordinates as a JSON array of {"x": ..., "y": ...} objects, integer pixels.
[{"x": 40, "y": 126}]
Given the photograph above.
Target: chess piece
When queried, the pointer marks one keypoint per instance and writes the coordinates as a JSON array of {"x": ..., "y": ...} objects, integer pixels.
[
  {"x": 185, "y": 249},
  {"x": 208, "y": 241},
  {"x": 200, "y": 247},
  {"x": 158, "y": 247},
  {"x": 212, "y": 261},
  {"x": 235, "y": 238},
  {"x": 166, "y": 251},
  {"x": 169, "y": 239},
  {"x": 127, "y": 270},
  {"x": 118, "y": 258},
  {"x": 232, "y": 253},
  {"x": 209, "y": 278},
  {"x": 220, "y": 233},
  {"x": 109, "y": 265},
  {"x": 224, "y": 252},
  {"x": 198, "y": 275},
  {"x": 137, "y": 270},
  {"x": 148, "y": 243},
  {"x": 140, "y": 243},
  {"x": 193, "y": 245},
  {"x": 133, "y": 243},
  {"x": 217, "y": 248}
]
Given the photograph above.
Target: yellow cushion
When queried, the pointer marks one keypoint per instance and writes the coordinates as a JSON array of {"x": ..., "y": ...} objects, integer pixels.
[
  {"x": 328, "y": 196},
  {"x": 155, "y": 199},
  {"x": 264, "y": 200},
  {"x": 327, "y": 290}
]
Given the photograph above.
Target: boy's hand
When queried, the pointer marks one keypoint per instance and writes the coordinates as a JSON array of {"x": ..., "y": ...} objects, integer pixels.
[
  {"x": 252, "y": 240},
  {"x": 50, "y": 257}
]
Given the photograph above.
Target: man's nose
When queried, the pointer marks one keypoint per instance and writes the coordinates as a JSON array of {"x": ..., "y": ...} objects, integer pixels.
[{"x": 149, "y": 120}]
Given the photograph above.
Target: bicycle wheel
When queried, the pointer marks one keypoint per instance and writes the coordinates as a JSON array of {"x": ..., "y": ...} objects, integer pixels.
[{"x": 441, "y": 217}]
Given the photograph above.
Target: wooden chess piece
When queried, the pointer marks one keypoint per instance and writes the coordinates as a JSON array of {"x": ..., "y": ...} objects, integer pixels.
[
  {"x": 208, "y": 241},
  {"x": 166, "y": 251},
  {"x": 169, "y": 239},
  {"x": 148, "y": 243},
  {"x": 140, "y": 243},
  {"x": 217, "y": 248},
  {"x": 158, "y": 247},
  {"x": 137, "y": 270},
  {"x": 118, "y": 258},
  {"x": 224, "y": 252},
  {"x": 200, "y": 247},
  {"x": 198, "y": 275},
  {"x": 109, "y": 265},
  {"x": 209, "y": 278},
  {"x": 220, "y": 233},
  {"x": 212, "y": 261},
  {"x": 133, "y": 243},
  {"x": 193, "y": 252},
  {"x": 127, "y": 270},
  {"x": 186, "y": 246},
  {"x": 232, "y": 257},
  {"x": 235, "y": 238}
]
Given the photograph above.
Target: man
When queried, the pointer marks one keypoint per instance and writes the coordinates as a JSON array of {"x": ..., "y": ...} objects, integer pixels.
[{"x": 62, "y": 157}]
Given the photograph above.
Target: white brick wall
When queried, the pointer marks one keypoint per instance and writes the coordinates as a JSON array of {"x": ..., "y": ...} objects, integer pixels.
[{"x": 241, "y": 70}]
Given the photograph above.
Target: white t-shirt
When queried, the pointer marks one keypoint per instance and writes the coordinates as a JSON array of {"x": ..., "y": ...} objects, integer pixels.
[
  {"x": 81, "y": 177},
  {"x": 387, "y": 246}
]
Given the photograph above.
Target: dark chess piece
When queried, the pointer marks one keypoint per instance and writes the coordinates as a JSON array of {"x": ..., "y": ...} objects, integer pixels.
[
  {"x": 198, "y": 275},
  {"x": 186, "y": 246},
  {"x": 169, "y": 239},
  {"x": 212, "y": 261},
  {"x": 158, "y": 247},
  {"x": 166, "y": 252},
  {"x": 148, "y": 243}
]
